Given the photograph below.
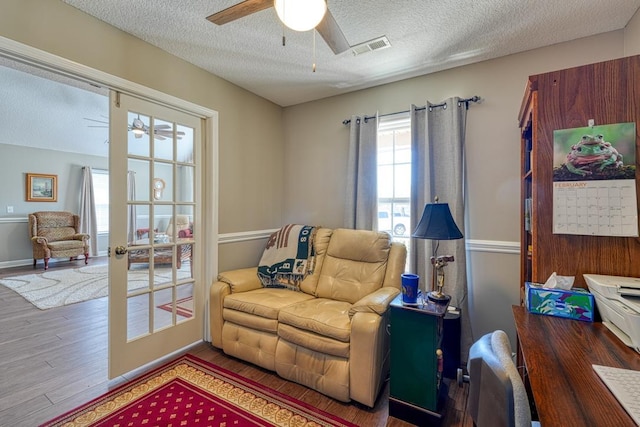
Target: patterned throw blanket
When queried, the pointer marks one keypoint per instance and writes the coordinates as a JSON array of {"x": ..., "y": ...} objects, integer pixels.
[{"x": 288, "y": 257}]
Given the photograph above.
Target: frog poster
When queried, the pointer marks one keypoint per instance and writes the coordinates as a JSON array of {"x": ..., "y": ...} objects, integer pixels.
[{"x": 594, "y": 186}]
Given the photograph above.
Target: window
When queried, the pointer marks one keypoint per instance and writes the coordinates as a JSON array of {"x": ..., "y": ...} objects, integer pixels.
[
  {"x": 101, "y": 193},
  {"x": 394, "y": 176}
]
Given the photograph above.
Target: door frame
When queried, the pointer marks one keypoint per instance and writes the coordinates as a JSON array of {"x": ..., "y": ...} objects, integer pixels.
[{"x": 39, "y": 58}]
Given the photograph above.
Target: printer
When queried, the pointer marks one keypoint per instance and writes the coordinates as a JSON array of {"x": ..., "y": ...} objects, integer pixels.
[{"x": 618, "y": 301}]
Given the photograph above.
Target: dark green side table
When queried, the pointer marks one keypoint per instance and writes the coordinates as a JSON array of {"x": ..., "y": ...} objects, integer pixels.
[{"x": 417, "y": 393}]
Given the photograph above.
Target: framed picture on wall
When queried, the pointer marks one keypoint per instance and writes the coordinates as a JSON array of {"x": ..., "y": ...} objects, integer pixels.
[{"x": 42, "y": 188}]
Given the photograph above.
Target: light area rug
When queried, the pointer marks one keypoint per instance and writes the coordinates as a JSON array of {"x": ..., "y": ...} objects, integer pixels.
[
  {"x": 55, "y": 288},
  {"x": 192, "y": 392}
]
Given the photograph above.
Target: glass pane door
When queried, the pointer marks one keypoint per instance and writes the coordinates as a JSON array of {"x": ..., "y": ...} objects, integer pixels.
[{"x": 156, "y": 214}]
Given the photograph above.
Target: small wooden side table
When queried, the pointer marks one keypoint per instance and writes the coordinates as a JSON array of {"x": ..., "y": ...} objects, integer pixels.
[{"x": 417, "y": 392}]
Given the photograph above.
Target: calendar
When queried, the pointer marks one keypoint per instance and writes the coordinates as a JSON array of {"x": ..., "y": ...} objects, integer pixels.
[
  {"x": 595, "y": 208},
  {"x": 594, "y": 185}
]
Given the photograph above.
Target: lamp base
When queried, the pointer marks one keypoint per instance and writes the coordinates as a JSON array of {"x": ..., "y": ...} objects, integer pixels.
[{"x": 438, "y": 297}]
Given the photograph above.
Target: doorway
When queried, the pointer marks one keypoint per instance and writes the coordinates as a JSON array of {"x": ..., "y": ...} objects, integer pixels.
[
  {"x": 156, "y": 222},
  {"x": 77, "y": 334}
]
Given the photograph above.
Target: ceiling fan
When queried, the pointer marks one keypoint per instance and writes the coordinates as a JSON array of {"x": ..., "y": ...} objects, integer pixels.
[
  {"x": 328, "y": 27},
  {"x": 139, "y": 128}
]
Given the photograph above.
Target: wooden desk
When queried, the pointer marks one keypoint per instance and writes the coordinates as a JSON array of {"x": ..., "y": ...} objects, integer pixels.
[{"x": 558, "y": 354}]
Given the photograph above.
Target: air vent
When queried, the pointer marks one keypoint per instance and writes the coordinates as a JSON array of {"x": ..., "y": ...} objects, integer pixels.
[{"x": 370, "y": 46}]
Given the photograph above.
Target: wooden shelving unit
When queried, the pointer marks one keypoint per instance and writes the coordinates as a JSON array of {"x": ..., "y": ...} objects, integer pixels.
[
  {"x": 609, "y": 93},
  {"x": 528, "y": 117}
]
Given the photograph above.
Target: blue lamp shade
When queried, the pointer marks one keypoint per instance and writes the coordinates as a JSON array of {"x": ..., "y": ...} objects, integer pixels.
[{"x": 437, "y": 223}]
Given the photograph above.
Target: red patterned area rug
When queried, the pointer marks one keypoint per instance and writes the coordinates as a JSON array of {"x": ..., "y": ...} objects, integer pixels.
[
  {"x": 184, "y": 307},
  {"x": 191, "y": 392}
]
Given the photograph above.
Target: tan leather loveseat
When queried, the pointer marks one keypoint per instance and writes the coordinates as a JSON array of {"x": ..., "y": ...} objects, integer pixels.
[{"x": 332, "y": 334}]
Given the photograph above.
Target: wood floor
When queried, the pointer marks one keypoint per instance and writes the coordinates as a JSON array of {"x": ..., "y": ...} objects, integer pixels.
[{"x": 54, "y": 360}]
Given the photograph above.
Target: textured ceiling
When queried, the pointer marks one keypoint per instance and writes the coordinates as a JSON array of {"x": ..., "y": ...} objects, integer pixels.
[
  {"x": 45, "y": 110},
  {"x": 425, "y": 36}
]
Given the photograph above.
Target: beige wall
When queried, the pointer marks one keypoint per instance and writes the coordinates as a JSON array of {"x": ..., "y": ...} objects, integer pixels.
[
  {"x": 632, "y": 36},
  {"x": 15, "y": 247},
  {"x": 315, "y": 131},
  {"x": 250, "y": 127},
  {"x": 250, "y": 134},
  {"x": 279, "y": 166}
]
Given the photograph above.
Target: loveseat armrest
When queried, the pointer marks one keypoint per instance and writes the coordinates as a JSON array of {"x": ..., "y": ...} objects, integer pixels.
[
  {"x": 376, "y": 302},
  {"x": 368, "y": 356},
  {"x": 242, "y": 280},
  {"x": 218, "y": 291},
  {"x": 81, "y": 236},
  {"x": 229, "y": 282}
]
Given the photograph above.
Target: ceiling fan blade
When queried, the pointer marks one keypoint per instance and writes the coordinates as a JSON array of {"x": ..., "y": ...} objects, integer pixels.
[
  {"x": 168, "y": 132},
  {"x": 162, "y": 127},
  {"x": 239, "y": 10},
  {"x": 332, "y": 34},
  {"x": 163, "y": 136},
  {"x": 97, "y": 121}
]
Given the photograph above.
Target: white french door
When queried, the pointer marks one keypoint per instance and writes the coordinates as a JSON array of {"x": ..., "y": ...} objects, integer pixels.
[{"x": 156, "y": 298}]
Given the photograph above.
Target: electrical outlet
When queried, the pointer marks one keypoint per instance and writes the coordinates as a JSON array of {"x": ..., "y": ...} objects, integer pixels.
[{"x": 9, "y": 209}]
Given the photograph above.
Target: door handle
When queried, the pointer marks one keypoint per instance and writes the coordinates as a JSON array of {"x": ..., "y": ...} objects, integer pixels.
[{"x": 121, "y": 250}]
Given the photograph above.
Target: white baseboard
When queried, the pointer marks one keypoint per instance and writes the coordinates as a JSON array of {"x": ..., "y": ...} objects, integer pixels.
[
  {"x": 29, "y": 261},
  {"x": 16, "y": 263}
]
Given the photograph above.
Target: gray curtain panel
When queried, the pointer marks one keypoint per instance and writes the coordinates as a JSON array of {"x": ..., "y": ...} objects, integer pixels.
[
  {"x": 362, "y": 198},
  {"x": 88, "y": 221},
  {"x": 438, "y": 169}
]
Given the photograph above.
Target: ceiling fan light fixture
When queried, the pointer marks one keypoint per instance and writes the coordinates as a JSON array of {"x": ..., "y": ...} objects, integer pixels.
[
  {"x": 300, "y": 15},
  {"x": 138, "y": 127}
]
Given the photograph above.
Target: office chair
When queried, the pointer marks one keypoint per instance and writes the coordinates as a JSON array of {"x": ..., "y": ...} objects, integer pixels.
[{"x": 497, "y": 397}]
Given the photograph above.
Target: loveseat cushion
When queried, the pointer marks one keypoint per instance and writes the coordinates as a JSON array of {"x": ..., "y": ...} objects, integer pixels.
[
  {"x": 250, "y": 321},
  {"x": 264, "y": 302},
  {"x": 312, "y": 341},
  {"x": 354, "y": 266},
  {"x": 317, "y": 370},
  {"x": 320, "y": 316}
]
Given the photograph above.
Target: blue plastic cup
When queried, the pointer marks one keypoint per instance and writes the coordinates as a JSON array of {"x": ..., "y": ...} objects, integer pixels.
[{"x": 410, "y": 288}]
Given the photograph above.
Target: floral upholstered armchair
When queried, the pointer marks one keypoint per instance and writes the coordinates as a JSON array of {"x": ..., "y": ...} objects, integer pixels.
[{"x": 56, "y": 235}]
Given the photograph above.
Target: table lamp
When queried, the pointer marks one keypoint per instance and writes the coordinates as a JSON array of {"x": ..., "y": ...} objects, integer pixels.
[{"x": 437, "y": 224}]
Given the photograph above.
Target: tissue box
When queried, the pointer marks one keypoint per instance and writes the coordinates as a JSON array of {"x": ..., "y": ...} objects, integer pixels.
[{"x": 576, "y": 303}]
